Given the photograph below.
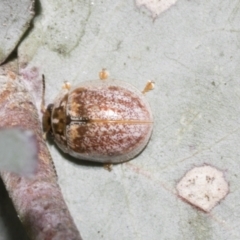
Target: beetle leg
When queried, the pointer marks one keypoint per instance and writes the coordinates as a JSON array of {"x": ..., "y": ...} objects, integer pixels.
[
  {"x": 149, "y": 86},
  {"x": 66, "y": 85},
  {"x": 104, "y": 74},
  {"x": 107, "y": 166}
]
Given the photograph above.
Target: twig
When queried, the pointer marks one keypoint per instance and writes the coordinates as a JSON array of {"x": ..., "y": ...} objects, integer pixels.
[{"x": 38, "y": 201}]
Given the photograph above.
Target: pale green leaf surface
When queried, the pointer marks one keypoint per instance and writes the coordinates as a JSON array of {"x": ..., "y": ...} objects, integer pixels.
[
  {"x": 191, "y": 51},
  {"x": 15, "y": 17}
]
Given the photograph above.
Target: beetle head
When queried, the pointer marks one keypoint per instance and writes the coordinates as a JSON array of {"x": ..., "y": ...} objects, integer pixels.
[{"x": 46, "y": 119}]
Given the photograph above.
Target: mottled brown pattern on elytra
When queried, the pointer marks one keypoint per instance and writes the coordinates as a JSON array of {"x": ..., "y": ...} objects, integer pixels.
[
  {"x": 109, "y": 122},
  {"x": 77, "y": 131},
  {"x": 128, "y": 94},
  {"x": 113, "y": 103},
  {"x": 76, "y": 106},
  {"x": 106, "y": 139}
]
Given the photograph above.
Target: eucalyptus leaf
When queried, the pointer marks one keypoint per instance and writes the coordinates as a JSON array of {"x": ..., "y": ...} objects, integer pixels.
[
  {"x": 15, "y": 19},
  {"x": 191, "y": 52}
]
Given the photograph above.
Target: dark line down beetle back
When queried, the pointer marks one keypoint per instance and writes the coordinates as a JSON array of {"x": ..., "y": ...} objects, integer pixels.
[{"x": 105, "y": 120}]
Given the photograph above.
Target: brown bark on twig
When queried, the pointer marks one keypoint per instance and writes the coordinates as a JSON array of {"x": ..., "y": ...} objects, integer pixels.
[{"x": 38, "y": 201}]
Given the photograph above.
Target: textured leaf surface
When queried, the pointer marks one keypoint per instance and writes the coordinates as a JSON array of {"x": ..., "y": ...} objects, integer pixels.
[
  {"x": 15, "y": 19},
  {"x": 191, "y": 51}
]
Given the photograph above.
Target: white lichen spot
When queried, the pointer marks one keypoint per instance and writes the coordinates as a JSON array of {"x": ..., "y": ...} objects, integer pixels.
[
  {"x": 156, "y": 6},
  {"x": 203, "y": 187}
]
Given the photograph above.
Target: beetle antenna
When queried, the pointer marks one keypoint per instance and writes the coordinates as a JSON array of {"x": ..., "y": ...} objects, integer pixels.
[{"x": 43, "y": 109}]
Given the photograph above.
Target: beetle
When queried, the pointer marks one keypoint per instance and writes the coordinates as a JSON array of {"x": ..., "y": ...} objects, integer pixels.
[{"x": 105, "y": 120}]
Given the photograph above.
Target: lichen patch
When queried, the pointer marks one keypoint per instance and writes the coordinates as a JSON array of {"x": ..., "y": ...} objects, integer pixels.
[
  {"x": 155, "y": 6},
  {"x": 203, "y": 187}
]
